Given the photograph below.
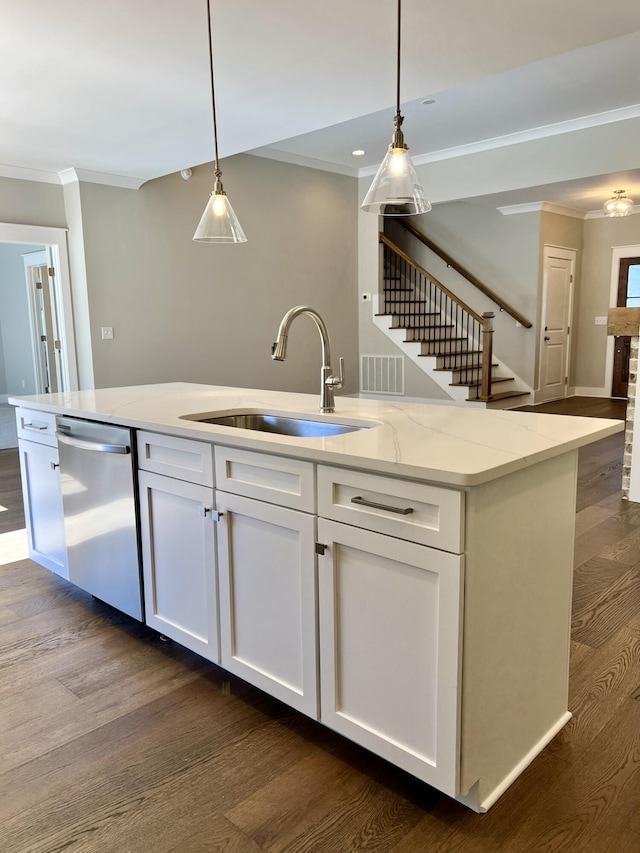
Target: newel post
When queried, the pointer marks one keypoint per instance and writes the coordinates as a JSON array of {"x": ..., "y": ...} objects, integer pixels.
[{"x": 487, "y": 353}]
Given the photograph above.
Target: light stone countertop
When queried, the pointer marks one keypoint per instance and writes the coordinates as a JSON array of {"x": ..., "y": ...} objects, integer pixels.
[{"x": 446, "y": 444}]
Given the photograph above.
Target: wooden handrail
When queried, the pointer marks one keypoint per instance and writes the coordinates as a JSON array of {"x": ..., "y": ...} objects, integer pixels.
[
  {"x": 384, "y": 239},
  {"x": 504, "y": 306}
]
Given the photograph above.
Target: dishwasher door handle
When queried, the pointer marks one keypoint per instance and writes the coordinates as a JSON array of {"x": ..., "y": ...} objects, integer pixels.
[{"x": 91, "y": 445}]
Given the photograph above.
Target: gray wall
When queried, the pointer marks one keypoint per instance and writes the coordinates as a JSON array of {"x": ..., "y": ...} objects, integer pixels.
[
  {"x": 15, "y": 330},
  {"x": 600, "y": 237},
  {"x": 31, "y": 203},
  {"x": 567, "y": 233},
  {"x": 204, "y": 313}
]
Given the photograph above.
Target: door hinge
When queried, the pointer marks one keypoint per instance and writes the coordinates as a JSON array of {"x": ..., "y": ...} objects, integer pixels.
[
  {"x": 566, "y": 380},
  {"x": 57, "y": 345},
  {"x": 320, "y": 548},
  {"x": 571, "y": 278},
  {"x": 568, "y": 329},
  {"x": 51, "y": 271},
  {"x": 38, "y": 285},
  {"x": 43, "y": 338}
]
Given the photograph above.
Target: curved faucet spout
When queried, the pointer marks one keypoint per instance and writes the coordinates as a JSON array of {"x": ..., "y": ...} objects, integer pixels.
[{"x": 279, "y": 353}]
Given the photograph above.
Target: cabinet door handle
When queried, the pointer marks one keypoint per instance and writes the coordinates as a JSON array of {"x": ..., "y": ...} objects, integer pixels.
[
  {"x": 407, "y": 510},
  {"x": 203, "y": 510},
  {"x": 34, "y": 427},
  {"x": 54, "y": 465}
]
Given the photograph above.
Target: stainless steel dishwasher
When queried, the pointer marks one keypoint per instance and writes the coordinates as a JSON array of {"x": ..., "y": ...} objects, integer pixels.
[{"x": 100, "y": 516}]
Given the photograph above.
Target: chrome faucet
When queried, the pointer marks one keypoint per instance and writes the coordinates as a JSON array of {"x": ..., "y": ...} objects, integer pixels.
[{"x": 327, "y": 381}]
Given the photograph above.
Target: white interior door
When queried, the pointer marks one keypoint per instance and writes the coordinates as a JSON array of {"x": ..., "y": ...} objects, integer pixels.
[{"x": 557, "y": 293}]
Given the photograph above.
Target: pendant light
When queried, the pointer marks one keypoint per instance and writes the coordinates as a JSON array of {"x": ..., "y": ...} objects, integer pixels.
[
  {"x": 396, "y": 190},
  {"x": 218, "y": 224},
  {"x": 618, "y": 205}
]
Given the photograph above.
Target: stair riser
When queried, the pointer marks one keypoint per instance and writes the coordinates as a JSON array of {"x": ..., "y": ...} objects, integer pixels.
[{"x": 443, "y": 349}]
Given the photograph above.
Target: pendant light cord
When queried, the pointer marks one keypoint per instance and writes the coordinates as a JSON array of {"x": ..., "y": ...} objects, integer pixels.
[
  {"x": 398, "y": 63},
  {"x": 213, "y": 91}
]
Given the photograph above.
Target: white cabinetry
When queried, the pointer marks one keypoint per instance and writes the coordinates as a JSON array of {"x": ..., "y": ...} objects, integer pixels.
[
  {"x": 41, "y": 490},
  {"x": 390, "y": 621},
  {"x": 178, "y": 550},
  {"x": 266, "y": 565}
]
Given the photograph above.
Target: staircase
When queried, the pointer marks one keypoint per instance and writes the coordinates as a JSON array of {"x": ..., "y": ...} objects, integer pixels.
[{"x": 451, "y": 342}]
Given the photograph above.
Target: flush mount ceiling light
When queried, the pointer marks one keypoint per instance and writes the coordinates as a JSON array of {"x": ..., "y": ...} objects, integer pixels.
[
  {"x": 358, "y": 152},
  {"x": 396, "y": 190},
  {"x": 618, "y": 205},
  {"x": 218, "y": 224}
]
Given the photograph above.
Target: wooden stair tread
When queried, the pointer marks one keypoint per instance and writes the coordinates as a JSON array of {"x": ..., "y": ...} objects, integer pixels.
[
  {"x": 494, "y": 379},
  {"x": 501, "y": 395},
  {"x": 476, "y": 366},
  {"x": 432, "y": 341}
]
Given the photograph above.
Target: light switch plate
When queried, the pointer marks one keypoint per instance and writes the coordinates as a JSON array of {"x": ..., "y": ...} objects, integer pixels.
[
  {"x": 601, "y": 321},
  {"x": 107, "y": 333}
]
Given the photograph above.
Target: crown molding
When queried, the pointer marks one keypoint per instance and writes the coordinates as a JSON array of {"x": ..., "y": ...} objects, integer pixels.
[
  {"x": 70, "y": 176},
  {"x": 300, "y": 160},
  {"x": 542, "y": 206},
  {"x": 557, "y": 129},
  {"x": 600, "y": 214},
  {"x": 22, "y": 174}
]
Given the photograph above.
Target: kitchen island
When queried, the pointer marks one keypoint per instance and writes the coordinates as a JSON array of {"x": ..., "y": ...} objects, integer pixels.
[{"x": 407, "y": 583}]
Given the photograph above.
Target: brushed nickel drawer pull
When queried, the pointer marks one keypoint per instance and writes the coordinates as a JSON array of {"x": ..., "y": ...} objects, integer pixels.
[
  {"x": 36, "y": 427},
  {"x": 364, "y": 502}
]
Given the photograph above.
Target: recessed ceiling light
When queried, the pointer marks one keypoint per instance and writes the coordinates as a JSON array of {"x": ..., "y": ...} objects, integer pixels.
[
  {"x": 429, "y": 101},
  {"x": 358, "y": 152}
]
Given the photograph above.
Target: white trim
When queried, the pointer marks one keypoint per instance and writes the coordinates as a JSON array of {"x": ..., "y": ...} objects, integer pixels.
[
  {"x": 22, "y": 174},
  {"x": 56, "y": 238},
  {"x": 586, "y": 391},
  {"x": 70, "y": 176},
  {"x": 565, "y": 254},
  {"x": 35, "y": 259},
  {"x": 617, "y": 254},
  {"x": 520, "y": 767},
  {"x": 546, "y": 206},
  {"x": 557, "y": 129},
  {"x": 600, "y": 214},
  {"x": 308, "y": 162}
]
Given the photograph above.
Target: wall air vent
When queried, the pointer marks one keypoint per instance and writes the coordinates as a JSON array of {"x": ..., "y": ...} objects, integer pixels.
[{"x": 382, "y": 374}]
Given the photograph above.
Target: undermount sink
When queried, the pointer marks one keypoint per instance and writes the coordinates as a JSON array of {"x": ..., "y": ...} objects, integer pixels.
[{"x": 302, "y": 427}]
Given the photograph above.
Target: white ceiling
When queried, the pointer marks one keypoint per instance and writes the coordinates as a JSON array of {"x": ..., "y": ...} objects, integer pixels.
[{"x": 122, "y": 87}]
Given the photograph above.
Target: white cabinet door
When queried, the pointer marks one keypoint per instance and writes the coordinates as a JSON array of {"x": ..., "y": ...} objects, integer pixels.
[
  {"x": 268, "y": 623},
  {"x": 42, "y": 497},
  {"x": 390, "y": 621},
  {"x": 178, "y": 558}
]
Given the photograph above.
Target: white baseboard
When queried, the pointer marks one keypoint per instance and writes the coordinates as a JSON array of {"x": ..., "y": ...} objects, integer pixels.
[{"x": 585, "y": 391}]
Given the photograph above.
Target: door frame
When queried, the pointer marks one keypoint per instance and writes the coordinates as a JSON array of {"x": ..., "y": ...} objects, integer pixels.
[
  {"x": 35, "y": 259},
  {"x": 618, "y": 253},
  {"x": 547, "y": 252},
  {"x": 56, "y": 240}
]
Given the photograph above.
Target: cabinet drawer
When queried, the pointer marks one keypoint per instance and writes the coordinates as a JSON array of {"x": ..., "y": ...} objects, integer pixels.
[
  {"x": 428, "y": 515},
  {"x": 36, "y": 426},
  {"x": 182, "y": 458},
  {"x": 275, "y": 479}
]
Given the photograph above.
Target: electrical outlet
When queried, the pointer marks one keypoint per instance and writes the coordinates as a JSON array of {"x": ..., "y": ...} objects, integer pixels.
[
  {"x": 107, "y": 333},
  {"x": 366, "y": 297}
]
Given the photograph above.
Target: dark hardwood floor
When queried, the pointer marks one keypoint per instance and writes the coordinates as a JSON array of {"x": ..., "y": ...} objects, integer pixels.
[{"x": 115, "y": 742}]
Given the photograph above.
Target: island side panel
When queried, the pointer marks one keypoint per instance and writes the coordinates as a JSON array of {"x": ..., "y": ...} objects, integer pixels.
[{"x": 517, "y": 621}]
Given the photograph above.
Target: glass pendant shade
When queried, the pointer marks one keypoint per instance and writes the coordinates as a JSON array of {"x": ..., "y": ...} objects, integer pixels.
[
  {"x": 219, "y": 224},
  {"x": 619, "y": 205},
  {"x": 396, "y": 190}
]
